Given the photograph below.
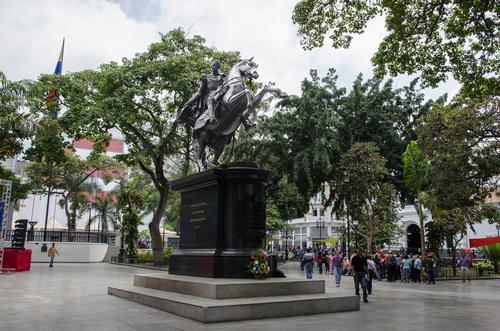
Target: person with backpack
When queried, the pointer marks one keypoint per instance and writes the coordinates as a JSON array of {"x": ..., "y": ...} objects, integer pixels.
[
  {"x": 372, "y": 273},
  {"x": 360, "y": 271},
  {"x": 308, "y": 263},
  {"x": 430, "y": 267}
]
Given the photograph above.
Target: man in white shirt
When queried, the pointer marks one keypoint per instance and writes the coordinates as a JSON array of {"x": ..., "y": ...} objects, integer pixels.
[{"x": 418, "y": 269}]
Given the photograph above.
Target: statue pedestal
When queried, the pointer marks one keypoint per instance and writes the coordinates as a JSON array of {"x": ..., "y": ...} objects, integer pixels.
[{"x": 223, "y": 220}]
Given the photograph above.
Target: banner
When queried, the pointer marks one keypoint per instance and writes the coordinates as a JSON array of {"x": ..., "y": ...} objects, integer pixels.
[{"x": 479, "y": 242}]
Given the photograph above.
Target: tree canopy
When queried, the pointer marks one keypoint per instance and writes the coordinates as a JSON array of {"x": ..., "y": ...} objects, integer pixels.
[
  {"x": 306, "y": 137},
  {"x": 140, "y": 98},
  {"x": 15, "y": 127},
  {"x": 430, "y": 38}
]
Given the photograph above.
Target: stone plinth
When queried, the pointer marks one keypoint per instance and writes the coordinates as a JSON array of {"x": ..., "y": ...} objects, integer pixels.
[
  {"x": 223, "y": 288},
  {"x": 211, "y": 300},
  {"x": 222, "y": 221}
]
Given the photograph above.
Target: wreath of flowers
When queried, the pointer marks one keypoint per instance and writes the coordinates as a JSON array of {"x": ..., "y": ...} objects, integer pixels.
[{"x": 258, "y": 265}]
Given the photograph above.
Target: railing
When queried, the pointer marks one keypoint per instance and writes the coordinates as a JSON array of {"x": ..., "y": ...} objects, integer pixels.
[
  {"x": 65, "y": 236},
  {"x": 447, "y": 272}
]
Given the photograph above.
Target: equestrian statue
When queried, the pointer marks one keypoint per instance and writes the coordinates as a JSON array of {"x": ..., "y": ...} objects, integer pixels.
[{"x": 220, "y": 105}]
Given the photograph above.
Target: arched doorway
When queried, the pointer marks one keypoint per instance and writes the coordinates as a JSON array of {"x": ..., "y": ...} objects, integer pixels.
[{"x": 413, "y": 239}]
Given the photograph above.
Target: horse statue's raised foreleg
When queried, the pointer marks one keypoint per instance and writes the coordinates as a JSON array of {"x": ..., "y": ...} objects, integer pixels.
[{"x": 254, "y": 101}]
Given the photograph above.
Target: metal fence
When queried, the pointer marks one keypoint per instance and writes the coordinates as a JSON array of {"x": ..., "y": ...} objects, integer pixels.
[{"x": 66, "y": 236}]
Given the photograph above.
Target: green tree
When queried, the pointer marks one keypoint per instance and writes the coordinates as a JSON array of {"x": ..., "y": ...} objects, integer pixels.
[
  {"x": 20, "y": 188},
  {"x": 416, "y": 173},
  {"x": 106, "y": 212},
  {"x": 71, "y": 179},
  {"x": 376, "y": 112},
  {"x": 15, "y": 126},
  {"x": 492, "y": 253},
  {"x": 298, "y": 141},
  {"x": 131, "y": 202},
  {"x": 370, "y": 198},
  {"x": 305, "y": 139},
  {"x": 461, "y": 143},
  {"x": 432, "y": 38},
  {"x": 284, "y": 203},
  {"x": 140, "y": 98}
]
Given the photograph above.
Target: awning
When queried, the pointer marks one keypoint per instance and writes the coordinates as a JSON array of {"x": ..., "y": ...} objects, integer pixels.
[
  {"x": 330, "y": 240},
  {"x": 479, "y": 242}
]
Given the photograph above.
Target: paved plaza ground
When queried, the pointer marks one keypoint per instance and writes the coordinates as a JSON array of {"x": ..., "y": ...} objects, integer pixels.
[{"x": 74, "y": 297}]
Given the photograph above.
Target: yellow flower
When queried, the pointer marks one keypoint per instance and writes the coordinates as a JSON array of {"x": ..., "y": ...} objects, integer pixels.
[{"x": 262, "y": 266}]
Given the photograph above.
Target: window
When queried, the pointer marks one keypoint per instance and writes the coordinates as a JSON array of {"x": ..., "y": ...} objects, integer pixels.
[
  {"x": 315, "y": 212},
  {"x": 321, "y": 212}
]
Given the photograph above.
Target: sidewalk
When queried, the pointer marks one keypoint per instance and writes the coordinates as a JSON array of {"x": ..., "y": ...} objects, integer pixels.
[{"x": 74, "y": 297}]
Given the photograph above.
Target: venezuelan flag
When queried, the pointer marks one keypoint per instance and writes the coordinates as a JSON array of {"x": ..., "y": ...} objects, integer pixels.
[
  {"x": 59, "y": 64},
  {"x": 52, "y": 98}
]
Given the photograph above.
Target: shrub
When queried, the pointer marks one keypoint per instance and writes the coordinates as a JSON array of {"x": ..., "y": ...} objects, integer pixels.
[
  {"x": 168, "y": 252},
  {"x": 145, "y": 256}
]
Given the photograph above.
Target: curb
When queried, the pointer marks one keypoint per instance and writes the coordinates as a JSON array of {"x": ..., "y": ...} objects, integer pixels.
[{"x": 139, "y": 266}]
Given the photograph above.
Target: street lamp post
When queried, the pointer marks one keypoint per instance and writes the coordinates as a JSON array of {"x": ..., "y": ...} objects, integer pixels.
[
  {"x": 453, "y": 253},
  {"x": 320, "y": 223},
  {"x": 286, "y": 243},
  {"x": 346, "y": 181},
  {"x": 355, "y": 223}
]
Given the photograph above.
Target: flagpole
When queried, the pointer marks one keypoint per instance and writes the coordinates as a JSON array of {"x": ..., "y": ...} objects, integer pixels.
[
  {"x": 57, "y": 71},
  {"x": 48, "y": 204}
]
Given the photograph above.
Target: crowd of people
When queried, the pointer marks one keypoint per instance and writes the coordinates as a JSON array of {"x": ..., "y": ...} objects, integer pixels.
[{"x": 366, "y": 267}]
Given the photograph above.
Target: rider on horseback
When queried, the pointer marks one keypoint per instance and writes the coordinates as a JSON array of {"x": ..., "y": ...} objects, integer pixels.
[{"x": 204, "y": 101}]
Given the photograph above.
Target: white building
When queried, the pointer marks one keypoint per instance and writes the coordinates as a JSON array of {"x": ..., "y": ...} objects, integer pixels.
[{"x": 320, "y": 224}]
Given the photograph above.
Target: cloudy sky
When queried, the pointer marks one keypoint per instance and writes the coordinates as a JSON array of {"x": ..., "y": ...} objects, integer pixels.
[{"x": 102, "y": 31}]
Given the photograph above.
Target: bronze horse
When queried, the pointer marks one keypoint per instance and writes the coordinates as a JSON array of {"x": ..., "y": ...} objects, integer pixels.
[{"x": 233, "y": 106}]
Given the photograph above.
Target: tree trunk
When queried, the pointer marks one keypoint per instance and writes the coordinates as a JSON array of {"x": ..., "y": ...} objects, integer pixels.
[
  {"x": 73, "y": 217},
  {"x": 66, "y": 211},
  {"x": 369, "y": 244},
  {"x": 422, "y": 229},
  {"x": 154, "y": 228}
]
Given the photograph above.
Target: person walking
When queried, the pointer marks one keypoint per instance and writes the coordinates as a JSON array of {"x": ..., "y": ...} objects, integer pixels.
[
  {"x": 372, "y": 273},
  {"x": 406, "y": 269},
  {"x": 360, "y": 271},
  {"x": 430, "y": 266},
  {"x": 418, "y": 269},
  {"x": 319, "y": 261},
  {"x": 465, "y": 264},
  {"x": 337, "y": 264},
  {"x": 391, "y": 269},
  {"x": 308, "y": 263},
  {"x": 301, "y": 259},
  {"x": 398, "y": 267},
  {"x": 330, "y": 263},
  {"x": 52, "y": 254},
  {"x": 381, "y": 261}
]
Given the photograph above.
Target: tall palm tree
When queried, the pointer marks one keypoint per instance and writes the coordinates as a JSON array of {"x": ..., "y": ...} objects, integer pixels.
[
  {"x": 415, "y": 173},
  {"x": 107, "y": 213}
]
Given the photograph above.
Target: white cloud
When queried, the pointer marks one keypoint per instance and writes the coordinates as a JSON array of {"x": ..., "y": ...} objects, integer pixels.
[{"x": 100, "y": 31}]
